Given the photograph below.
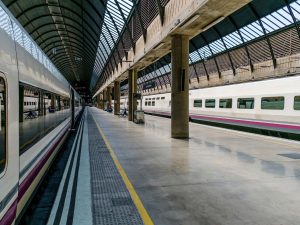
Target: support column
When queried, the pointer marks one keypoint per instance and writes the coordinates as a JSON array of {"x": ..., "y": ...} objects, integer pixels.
[
  {"x": 180, "y": 87},
  {"x": 98, "y": 100},
  {"x": 21, "y": 103},
  {"x": 116, "y": 97},
  {"x": 104, "y": 99},
  {"x": 53, "y": 101},
  {"x": 41, "y": 104},
  {"x": 72, "y": 109},
  {"x": 132, "y": 88},
  {"x": 58, "y": 103},
  {"x": 108, "y": 97}
]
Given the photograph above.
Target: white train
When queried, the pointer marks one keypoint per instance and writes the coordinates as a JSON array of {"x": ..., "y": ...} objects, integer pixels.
[
  {"x": 270, "y": 106},
  {"x": 22, "y": 166}
]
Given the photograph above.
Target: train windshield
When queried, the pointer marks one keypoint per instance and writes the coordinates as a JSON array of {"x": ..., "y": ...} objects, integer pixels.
[{"x": 3, "y": 125}]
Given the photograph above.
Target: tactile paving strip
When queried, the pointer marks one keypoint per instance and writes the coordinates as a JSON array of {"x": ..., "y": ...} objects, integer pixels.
[{"x": 112, "y": 204}]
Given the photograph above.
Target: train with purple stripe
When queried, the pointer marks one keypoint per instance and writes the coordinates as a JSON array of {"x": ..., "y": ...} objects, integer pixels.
[
  {"x": 31, "y": 133},
  {"x": 269, "y": 107}
]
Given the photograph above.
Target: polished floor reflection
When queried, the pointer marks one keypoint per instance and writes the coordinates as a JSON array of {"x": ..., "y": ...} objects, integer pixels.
[{"x": 216, "y": 177}]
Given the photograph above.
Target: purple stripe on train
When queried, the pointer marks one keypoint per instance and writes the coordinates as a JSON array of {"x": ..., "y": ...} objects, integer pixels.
[
  {"x": 10, "y": 215},
  {"x": 237, "y": 121},
  {"x": 34, "y": 172}
]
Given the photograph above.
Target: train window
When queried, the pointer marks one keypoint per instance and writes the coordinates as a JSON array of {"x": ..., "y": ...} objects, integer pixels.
[
  {"x": 146, "y": 103},
  {"x": 210, "y": 103},
  {"x": 37, "y": 125},
  {"x": 198, "y": 103},
  {"x": 245, "y": 103},
  {"x": 153, "y": 103},
  {"x": 276, "y": 103},
  {"x": 152, "y": 99},
  {"x": 157, "y": 98},
  {"x": 297, "y": 103},
  {"x": 162, "y": 98},
  {"x": 225, "y": 103},
  {"x": 3, "y": 125}
]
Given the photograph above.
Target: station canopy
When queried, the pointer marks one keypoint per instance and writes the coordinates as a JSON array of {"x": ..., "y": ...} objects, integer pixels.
[
  {"x": 86, "y": 39},
  {"x": 259, "y": 31}
]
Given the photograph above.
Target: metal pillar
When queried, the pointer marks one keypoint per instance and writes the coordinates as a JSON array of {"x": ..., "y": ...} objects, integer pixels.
[
  {"x": 21, "y": 103},
  {"x": 132, "y": 89},
  {"x": 116, "y": 97},
  {"x": 180, "y": 87}
]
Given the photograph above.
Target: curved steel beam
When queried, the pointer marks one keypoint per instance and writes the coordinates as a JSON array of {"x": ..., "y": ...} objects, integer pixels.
[
  {"x": 231, "y": 19},
  {"x": 228, "y": 54},
  {"x": 213, "y": 56},
  {"x": 265, "y": 34}
]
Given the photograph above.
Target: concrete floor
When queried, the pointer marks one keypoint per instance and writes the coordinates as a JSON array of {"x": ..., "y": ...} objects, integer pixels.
[{"x": 217, "y": 177}]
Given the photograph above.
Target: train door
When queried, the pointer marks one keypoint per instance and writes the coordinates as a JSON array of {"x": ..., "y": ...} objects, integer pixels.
[{"x": 9, "y": 148}]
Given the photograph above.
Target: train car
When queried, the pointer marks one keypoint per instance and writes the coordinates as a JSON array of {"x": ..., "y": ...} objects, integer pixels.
[
  {"x": 269, "y": 107},
  {"x": 28, "y": 146}
]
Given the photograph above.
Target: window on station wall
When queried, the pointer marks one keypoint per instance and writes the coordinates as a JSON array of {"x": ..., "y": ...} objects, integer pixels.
[
  {"x": 210, "y": 103},
  {"x": 198, "y": 103},
  {"x": 225, "y": 103},
  {"x": 297, "y": 103},
  {"x": 275, "y": 103},
  {"x": 3, "y": 120},
  {"x": 245, "y": 103}
]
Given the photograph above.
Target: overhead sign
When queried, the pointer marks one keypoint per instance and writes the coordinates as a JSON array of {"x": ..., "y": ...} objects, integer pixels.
[{"x": 149, "y": 85}]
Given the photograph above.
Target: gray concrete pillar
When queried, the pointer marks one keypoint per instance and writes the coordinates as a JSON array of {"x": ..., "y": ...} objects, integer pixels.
[
  {"x": 21, "y": 103},
  {"x": 108, "y": 97},
  {"x": 58, "y": 103},
  {"x": 104, "y": 99},
  {"x": 42, "y": 107},
  {"x": 72, "y": 109},
  {"x": 132, "y": 88},
  {"x": 98, "y": 101},
  {"x": 53, "y": 101},
  {"x": 116, "y": 97},
  {"x": 180, "y": 87}
]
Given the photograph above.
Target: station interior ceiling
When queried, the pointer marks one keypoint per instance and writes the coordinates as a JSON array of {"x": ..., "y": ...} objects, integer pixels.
[{"x": 86, "y": 40}]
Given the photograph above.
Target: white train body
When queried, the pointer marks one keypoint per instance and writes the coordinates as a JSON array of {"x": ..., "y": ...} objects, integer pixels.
[
  {"x": 23, "y": 171},
  {"x": 286, "y": 90}
]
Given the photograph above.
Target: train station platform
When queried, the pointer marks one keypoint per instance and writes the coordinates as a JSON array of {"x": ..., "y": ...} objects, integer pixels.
[{"x": 124, "y": 173}]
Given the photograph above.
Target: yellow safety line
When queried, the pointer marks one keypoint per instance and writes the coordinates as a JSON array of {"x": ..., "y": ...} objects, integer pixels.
[{"x": 137, "y": 201}]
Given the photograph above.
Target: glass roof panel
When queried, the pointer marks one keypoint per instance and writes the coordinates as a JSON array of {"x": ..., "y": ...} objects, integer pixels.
[{"x": 116, "y": 12}]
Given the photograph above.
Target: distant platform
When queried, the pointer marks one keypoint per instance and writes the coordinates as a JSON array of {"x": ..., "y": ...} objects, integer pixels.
[{"x": 125, "y": 173}]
